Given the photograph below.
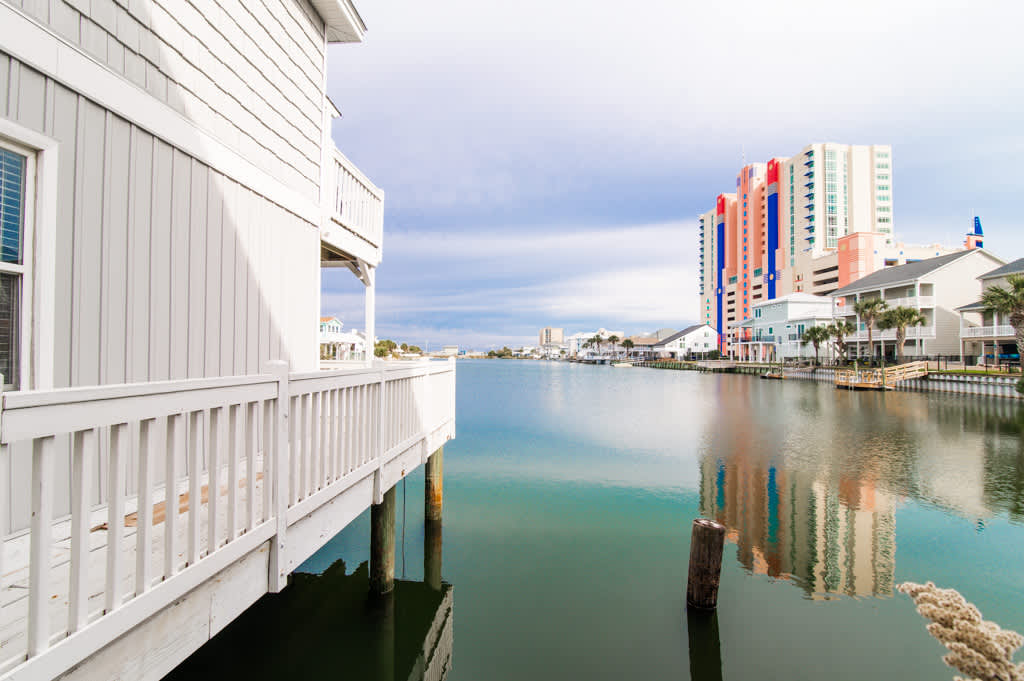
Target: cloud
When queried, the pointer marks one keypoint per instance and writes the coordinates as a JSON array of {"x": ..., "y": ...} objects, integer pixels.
[
  {"x": 506, "y": 286},
  {"x": 544, "y": 161}
]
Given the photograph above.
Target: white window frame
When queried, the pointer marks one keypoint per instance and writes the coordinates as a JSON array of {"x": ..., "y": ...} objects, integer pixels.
[{"x": 38, "y": 255}]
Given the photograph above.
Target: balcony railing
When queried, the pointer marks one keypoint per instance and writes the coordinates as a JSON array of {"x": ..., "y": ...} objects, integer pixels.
[
  {"x": 890, "y": 334},
  {"x": 358, "y": 212},
  {"x": 1004, "y": 330},
  {"x": 920, "y": 302}
]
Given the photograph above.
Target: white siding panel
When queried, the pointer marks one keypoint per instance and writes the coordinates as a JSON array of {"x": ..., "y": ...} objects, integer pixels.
[
  {"x": 258, "y": 73},
  {"x": 165, "y": 268},
  {"x": 160, "y": 336}
]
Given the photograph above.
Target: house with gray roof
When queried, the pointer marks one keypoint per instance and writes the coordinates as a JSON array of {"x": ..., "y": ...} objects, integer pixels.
[
  {"x": 986, "y": 336},
  {"x": 698, "y": 339},
  {"x": 937, "y": 287}
]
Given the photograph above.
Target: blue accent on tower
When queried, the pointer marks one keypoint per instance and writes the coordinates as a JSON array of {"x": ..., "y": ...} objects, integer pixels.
[
  {"x": 773, "y": 243},
  {"x": 977, "y": 226},
  {"x": 719, "y": 284}
]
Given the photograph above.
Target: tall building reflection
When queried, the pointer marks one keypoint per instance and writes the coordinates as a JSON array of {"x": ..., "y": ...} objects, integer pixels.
[{"x": 828, "y": 538}]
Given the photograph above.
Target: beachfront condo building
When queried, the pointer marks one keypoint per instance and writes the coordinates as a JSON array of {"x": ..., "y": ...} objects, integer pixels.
[
  {"x": 551, "y": 336},
  {"x": 798, "y": 225}
]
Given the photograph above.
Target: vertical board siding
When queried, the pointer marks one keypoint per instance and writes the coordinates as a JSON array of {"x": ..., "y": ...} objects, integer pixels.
[
  {"x": 250, "y": 73},
  {"x": 166, "y": 268}
]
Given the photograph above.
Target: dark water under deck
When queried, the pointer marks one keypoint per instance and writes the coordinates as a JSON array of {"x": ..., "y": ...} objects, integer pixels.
[{"x": 569, "y": 494}]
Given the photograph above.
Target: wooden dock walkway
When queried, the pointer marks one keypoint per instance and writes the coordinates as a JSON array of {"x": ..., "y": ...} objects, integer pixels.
[{"x": 879, "y": 379}]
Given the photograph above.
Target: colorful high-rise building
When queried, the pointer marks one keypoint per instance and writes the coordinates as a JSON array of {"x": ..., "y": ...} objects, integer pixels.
[{"x": 810, "y": 223}]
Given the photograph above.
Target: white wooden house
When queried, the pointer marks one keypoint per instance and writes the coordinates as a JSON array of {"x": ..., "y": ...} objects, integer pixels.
[
  {"x": 695, "y": 340},
  {"x": 170, "y": 191}
]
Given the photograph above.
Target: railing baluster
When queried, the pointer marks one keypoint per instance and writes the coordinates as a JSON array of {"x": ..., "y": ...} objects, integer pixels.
[
  {"x": 144, "y": 515},
  {"x": 216, "y": 421},
  {"x": 304, "y": 409},
  {"x": 195, "y": 481},
  {"x": 115, "y": 514},
  {"x": 83, "y": 458},
  {"x": 293, "y": 463},
  {"x": 251, "y": 411},
  {"x": 336, "y": 434},
  {"x": 269, "y": 419},
  {"x": 236, "y": 420},
  {"x": 314, "y": 441},
  {"x": 175, "y": 445},
  {"x": 39, "y": 545}
]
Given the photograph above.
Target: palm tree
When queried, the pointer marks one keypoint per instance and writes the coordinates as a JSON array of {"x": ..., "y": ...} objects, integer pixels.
[
  {"x": 816, "y": 335},
  {"x": 628, "y": 345},
  {"x": 613, "y": 339},
  {"x": 839, "y": 330},
  {"x": 1008, "y": 302},
  {"x": 900, "y": 318},
  {"x": 869, "y": 312},
  {"x": 595, "y": 341}
]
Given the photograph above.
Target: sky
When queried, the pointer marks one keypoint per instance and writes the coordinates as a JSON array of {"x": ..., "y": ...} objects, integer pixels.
[{"x": 544, "y": 161}]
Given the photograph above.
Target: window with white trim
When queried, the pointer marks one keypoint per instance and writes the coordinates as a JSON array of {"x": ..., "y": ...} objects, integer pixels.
[{"x": 17, "y": 170}]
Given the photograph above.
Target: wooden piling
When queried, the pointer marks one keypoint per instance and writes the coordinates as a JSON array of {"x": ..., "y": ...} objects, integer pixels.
[
  {"x": 707, "y": 540},
  {"x": 382, "y": 545},
  {"x": 434, "y": 480}
]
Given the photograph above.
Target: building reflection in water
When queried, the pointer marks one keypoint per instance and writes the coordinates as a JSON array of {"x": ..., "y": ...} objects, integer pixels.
[
  {"x": 827, "y": 539},
  {"x": 807, "y": 483},
  {"x": 326, "y": 626}
]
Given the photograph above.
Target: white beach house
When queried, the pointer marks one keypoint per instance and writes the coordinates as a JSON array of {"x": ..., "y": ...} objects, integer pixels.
[{"x": 170, "y": 192}]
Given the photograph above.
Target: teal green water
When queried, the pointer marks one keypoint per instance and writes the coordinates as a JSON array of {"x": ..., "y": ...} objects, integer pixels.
[{"x": 570, "y": 490}]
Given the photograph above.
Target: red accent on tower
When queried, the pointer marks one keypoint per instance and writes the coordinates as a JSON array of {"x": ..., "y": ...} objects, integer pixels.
[
  {"x": 720, "y": 210},
  {"x": 773, "y": 171}
]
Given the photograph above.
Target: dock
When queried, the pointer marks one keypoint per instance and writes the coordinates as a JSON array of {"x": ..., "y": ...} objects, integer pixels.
[{"x": 879, "y": 379}]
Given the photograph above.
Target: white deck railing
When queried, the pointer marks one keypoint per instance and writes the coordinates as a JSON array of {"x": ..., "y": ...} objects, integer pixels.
[
  {"x": 358, "y": 203},
  {"x": 890, "y": 334},
  {"x": 1001, "y": 331},
  {"x": 91, "y": 545}
]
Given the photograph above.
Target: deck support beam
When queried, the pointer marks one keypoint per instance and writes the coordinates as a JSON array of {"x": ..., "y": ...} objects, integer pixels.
[{"x": 382, "y": 545}]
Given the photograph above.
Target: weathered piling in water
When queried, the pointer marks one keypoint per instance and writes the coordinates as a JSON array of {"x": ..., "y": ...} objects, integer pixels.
[
  {"x": 434, "y": 492},
  {"x": 707, "y": 542},
  {"x": 382, "y": 545}
]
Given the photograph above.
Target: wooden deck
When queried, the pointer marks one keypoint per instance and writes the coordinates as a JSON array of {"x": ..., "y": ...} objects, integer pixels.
[
  {"x": 880, "y": 379},
  {"x": 97, "y": 570}
]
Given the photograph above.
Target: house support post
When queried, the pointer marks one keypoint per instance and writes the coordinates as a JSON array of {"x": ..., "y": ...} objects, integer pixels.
[{"x": 382, "y": 545}]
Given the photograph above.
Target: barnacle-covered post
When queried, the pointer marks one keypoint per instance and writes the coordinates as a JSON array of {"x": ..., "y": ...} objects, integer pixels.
[{"x": 707, "y": 541}]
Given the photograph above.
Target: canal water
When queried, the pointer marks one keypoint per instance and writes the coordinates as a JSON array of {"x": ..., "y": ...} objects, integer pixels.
[{"x": 569, "y": 494}]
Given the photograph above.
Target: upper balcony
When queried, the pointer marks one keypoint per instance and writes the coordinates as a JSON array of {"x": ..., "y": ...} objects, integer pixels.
[
  {"x": 1001, "y": 331},
  {"x": 355, "y": 227}
]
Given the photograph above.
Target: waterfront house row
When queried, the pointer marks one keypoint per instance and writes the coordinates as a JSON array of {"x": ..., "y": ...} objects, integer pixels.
[
  {"x": 945, "y": 289},
  {"x": 170, "y": 192}
]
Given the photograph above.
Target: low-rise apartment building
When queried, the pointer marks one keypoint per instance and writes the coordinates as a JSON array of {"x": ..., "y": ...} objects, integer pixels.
[
  {"x": 775, "y": 330},
  {"x": 938, "y": 287}
]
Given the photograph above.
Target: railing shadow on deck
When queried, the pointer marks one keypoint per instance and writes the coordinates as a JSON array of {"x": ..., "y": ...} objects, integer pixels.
[{"x": 91, "y": 545}]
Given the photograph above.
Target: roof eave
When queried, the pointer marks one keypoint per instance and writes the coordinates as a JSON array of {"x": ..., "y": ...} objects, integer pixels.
[{"x": 342, "y": 21}]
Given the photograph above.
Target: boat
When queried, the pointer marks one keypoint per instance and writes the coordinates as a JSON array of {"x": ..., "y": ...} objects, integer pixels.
[{"x": 622, "y": 365}]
